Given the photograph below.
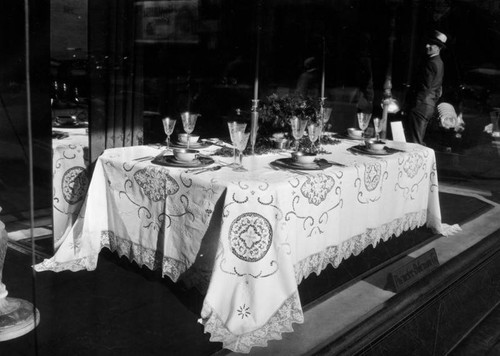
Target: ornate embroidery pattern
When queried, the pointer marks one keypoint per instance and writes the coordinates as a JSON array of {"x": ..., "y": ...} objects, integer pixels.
[
  {"x": 335, "y": 254},
  {"x": 412, "y": 173},
  {"x": 243, "y": 311},
  {"x": 316, "y": 188},
  {"x": 74, "y": 184},
  {"x": 372, "y": 176},
  {"x": 250, "y": 236},
  {"x": 156, "y": 183},
  {"x": 412, "y": 165},
  {"x": 290, "y": 312}
]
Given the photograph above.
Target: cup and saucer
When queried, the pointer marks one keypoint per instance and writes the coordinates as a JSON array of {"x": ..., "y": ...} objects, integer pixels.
[
  {"x": 184, "y": 157},
  {"x": 194, "y": 141},
  {"x": 373, "y": 147},
  {"x": 302, "y": 161}
]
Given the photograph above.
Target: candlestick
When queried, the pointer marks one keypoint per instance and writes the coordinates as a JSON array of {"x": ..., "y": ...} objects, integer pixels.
[
  {"x": 254, "y": 117},
  {"x": 323, "y": 75}
]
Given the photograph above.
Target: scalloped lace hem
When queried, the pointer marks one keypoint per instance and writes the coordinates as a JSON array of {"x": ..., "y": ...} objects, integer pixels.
[
  {"x": 334, "y": 255},
  {"x": 290, "y": 312},
  {"x": 88, "y": 263},
  {"x": 143, "y": 256}
]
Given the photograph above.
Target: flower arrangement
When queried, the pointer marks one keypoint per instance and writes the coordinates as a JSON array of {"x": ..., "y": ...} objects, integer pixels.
[{"x": 276, "y": 111}]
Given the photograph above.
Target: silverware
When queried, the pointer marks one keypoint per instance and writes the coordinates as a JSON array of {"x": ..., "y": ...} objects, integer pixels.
[
  {"x": 208, "y": 169},
  {"x": 145, "y": 158}
]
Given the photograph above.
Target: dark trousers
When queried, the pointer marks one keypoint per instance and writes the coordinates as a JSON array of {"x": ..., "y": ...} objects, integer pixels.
[{"x": 416, "y": 122}]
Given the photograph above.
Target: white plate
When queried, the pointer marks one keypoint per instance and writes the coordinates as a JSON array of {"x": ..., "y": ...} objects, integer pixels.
[
  {"x": 367, "y": 151},
  {"x": 191, "y": 145},
  {"x": 171, "y": 161},
  {"x": 291, "y": 164}
]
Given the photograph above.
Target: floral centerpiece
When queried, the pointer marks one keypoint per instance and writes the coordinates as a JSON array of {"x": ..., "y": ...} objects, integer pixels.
[{"x": 276, "y": 111}]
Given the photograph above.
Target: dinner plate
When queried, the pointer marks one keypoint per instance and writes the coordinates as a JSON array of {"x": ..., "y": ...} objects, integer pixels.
[
  {"x": 291, "y": 164},
  {"x": 171, "y": 161},
  {"x": 367, "y": 151},
  {"x": 195, "y": 145}
]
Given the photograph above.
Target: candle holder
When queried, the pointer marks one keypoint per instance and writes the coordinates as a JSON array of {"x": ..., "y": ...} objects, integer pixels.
[
  {"x": 254, "y": 117},
  {"x": 322, "y": 118}
]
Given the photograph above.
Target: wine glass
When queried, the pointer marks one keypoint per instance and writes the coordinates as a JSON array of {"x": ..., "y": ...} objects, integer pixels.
[
  {"x": 298, "y": 128},
  {"x": 363, "y": 121},
  {"x": 378, "y": 129},
  {"x": 314, "y": 131},
  {"x": 240, "y": 141},
  {"x": 168, "y": 126},
  {"x": 235, "y": 126},
  {"x": 188, "y": 122}
]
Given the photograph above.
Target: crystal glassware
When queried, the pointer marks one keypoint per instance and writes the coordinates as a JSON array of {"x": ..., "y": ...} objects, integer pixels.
[
  {"x": 235, "y": 126},
  {"x": 363, "y": 121},
  {"x": 168, "y": 126},
  {"x": 240, "y": 141},
  {"x": 378, "y": 129},
  {"x": 189, "y": 122},
  {"x": 298, "y": 128},
  {"x": 314, "y": 131}
]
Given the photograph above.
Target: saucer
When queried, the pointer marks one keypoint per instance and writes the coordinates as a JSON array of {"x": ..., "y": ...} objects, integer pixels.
[
  {"x": 362, "y": 149},
  {"x": 359, "y": 138},
  {"x": 195, "y": 145},
  {"x": 291, "y": 164},
  {"x": 171, "y": 161}
]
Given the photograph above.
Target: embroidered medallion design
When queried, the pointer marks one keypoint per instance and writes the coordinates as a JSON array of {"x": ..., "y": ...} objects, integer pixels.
[
  {"x": 316, "y": 188},
  {"x": 243, "y": 311},
  {"x": 412, "y": 165},
  {"x": 372, "y": 176},
  {"x": 250, "y": 237},
  {"x": 156, "y": 183},
  {"x": 74, "y": 184}
]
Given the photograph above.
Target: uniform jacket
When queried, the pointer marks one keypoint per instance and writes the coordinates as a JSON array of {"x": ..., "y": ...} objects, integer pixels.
[{"x": 430, "y": 81}]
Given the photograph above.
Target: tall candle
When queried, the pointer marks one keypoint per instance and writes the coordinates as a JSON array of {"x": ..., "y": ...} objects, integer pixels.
[
  {"x": 257, "y": 55},
  {"x": 256, "y": 88},
  {"x": 323, "y": 74}
]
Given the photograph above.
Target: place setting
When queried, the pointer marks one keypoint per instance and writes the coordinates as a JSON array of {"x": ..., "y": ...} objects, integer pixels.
[
  {"x": 303, "y": 160},
  {"x": 183, "y": 158},
  {"x": 373, "y": 146}
]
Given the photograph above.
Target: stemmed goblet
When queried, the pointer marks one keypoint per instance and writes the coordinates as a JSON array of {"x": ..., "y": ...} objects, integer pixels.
[
  {"x": 235, "y": 126},
  {"x": 378, "y": 129},
  {"x": 363, "y": 121},
  {"x": 314, "y": 132},
  {"x": 168, "y": 126},
  {"x": 240, "y": 141},
  {"x": 189, "y": 122},
  {"x": 298, "y": 128}
]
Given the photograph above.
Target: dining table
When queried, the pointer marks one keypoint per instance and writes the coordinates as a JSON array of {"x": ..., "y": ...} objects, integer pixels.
[{"x": 248, "y": 239}]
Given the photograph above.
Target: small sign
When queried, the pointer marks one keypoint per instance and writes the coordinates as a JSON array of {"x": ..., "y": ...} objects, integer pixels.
[{"x": 414, "y": 270}]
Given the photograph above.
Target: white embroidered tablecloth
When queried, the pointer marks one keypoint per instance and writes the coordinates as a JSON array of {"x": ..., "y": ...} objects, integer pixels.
[
  {"x": 257, "y": 234},
  {"x": 70, "y": 178}
]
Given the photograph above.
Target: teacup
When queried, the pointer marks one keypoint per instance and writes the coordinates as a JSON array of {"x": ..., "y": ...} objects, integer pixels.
[
  {"x": 375, "y": 145},
  {"x": 354, "y": 132},
  {"x": 303, "y": 157},
  {"x": 183, "y": 138},
  {"x": 185, "y": 155}
]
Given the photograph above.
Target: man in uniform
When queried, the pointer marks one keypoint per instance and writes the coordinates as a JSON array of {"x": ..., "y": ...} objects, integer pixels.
[{"x": 428, "y": 89}]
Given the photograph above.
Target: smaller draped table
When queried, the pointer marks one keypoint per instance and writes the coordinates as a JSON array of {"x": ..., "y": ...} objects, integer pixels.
[
  {"x": 70, "y": 176},
  {"x": 249, "y": 238}
]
